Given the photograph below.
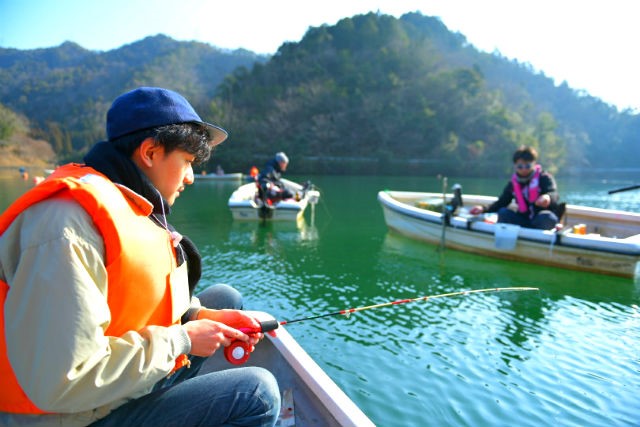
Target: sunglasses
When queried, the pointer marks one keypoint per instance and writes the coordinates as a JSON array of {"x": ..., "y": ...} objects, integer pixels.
[{"x": 524, "y": 165}]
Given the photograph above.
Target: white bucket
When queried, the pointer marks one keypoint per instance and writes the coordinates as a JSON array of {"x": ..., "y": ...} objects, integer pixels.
[{"x": 506, "y": 236}]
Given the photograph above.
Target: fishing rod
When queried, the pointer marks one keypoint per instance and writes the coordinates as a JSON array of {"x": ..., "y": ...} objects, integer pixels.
[
  {"x": 618, "y": 190},
  {"x": 238, "y": 352}
]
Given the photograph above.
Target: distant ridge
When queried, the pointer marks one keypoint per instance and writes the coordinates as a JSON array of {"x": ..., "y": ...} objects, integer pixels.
[{"x": 407, "y": 94}]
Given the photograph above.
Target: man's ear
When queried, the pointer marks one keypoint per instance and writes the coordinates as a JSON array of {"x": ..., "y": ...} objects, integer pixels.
[{"x": 147, "y": 152}]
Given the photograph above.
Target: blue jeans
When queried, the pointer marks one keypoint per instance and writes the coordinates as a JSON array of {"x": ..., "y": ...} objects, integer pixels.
[
  {"x": 245, "y": 396},
  {"x": 544, "y": 220}
]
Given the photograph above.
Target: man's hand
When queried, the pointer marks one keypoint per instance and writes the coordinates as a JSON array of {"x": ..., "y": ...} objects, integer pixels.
[
  {"x": 543, "y": 201},
  {"x": 236, "y": 319},
  {"x": 207, "y": 336}
]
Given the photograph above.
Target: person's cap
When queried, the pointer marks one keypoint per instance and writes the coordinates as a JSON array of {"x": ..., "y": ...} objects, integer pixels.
[
  {"x": 150, "y": 107},
  {"x": 281, "y": 157}
]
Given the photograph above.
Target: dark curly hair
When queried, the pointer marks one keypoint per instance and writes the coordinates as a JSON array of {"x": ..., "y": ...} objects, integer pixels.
[
  {"x": 526, "y": 153},
  {"x": 190, "y": 137}
]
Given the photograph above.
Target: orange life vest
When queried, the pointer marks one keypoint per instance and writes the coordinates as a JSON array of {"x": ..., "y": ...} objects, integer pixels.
[{"x": 139, "y": 259}]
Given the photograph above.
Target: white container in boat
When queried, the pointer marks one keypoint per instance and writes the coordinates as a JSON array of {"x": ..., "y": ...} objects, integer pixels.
[{"x": 506, "y": 236}]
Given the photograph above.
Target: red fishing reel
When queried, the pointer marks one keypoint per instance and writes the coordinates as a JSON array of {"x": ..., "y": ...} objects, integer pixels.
[{"x": 238, "y": 352}]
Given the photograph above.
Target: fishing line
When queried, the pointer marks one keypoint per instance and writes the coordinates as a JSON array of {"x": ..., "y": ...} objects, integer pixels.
[
  {"x": 348, "y": 311},
  {"x": 238, "y": 352},
  {"x": 322, "y": 202}
]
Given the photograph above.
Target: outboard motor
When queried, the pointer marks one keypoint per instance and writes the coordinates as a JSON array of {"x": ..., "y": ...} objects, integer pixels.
[{"x": 456, "y": 202}]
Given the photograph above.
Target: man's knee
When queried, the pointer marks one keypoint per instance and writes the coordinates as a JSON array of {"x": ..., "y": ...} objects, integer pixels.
[
  {"x": 221, "y": 296},
  {"x": 545, "y": 220},
  {"x": 267, "y": 391},
  {"x": 508, "y": 216}
]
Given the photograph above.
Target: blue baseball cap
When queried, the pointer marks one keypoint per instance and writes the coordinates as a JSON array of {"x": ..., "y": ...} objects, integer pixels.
[{"x": 150, "y": 107}]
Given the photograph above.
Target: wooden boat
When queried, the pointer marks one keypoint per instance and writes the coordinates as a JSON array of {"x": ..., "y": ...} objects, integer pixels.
[
  {"x": 589, "y": 239},
  {"x": 219, "y": 177},
  {"x": 245, "y": 204},
  {"x": 309, "y": 396}
]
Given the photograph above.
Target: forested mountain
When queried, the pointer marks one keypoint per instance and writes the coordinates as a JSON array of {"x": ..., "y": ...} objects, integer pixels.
[
  {"x": 371, "y": 94},
  {"x": 379, "y": 94},
  {"x": 17, "y": 146},
  {"x": 66, "y": 91}
]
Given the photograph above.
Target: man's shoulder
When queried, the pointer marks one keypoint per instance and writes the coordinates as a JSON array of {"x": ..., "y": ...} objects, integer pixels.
[
  {"x": 546, "y": 175},
  {"x": 57, "y": 217}
]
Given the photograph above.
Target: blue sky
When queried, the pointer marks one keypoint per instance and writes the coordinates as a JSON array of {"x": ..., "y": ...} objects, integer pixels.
[{"x": 592, "y": 45}]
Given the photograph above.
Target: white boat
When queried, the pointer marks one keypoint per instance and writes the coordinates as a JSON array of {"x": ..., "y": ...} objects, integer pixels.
[
  {"x": 591, "y": 239},
  {"x": 245, "y": 204},
  {"x": 309, "y": 396},
  {"x": 219, "y": 177}
]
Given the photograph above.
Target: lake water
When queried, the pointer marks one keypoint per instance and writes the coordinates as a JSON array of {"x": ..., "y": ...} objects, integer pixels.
[{"x": 568, "y": 355}]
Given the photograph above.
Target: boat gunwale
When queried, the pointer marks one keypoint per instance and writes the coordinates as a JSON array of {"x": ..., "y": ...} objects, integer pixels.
[
  {"x": 334, "y": 399},
  {"x": 317, "y": 399}
]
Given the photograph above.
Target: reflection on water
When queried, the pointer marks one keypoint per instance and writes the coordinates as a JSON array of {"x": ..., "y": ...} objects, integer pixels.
[
  {"x": 272, "y": 234},
  {"x": 551, "y": 353},
  {"x": 453, "y": 265}
]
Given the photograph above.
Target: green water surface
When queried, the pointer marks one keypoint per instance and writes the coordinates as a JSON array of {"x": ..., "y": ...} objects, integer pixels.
[{"x": 568, "y": 355}]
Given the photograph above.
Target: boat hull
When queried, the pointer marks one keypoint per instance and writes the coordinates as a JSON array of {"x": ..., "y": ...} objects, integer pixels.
[
  {"x": 245, "y": 207},
  {"x": 589, "y": 252}
]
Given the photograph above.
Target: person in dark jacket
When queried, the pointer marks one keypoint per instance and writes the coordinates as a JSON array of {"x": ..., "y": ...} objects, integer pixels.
[
  {"x": 534, "y": 191},
  {"x": 272, "y": 188}
]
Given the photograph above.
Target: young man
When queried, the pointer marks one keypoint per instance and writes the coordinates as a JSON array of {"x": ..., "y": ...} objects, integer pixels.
[
  {"x": 99, "y": 325},
  {"x": 534, "y": 191}
]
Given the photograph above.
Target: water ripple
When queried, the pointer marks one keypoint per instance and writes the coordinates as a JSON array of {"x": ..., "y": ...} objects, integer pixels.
[{"x": 567, "y": 355}]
